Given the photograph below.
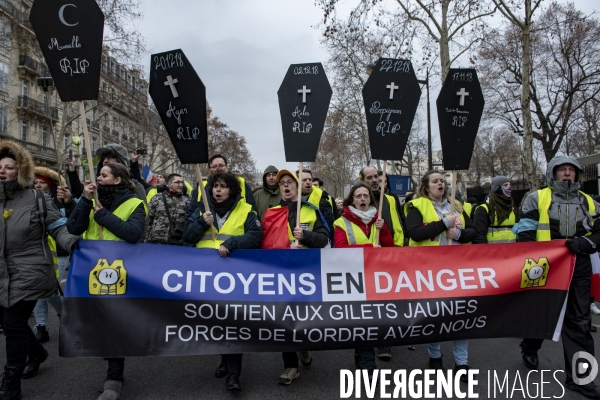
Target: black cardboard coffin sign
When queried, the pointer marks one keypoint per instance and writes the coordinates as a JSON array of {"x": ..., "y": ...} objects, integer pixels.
[
  {"x": 304, "y": 97},
  {"x": 180, "y": 98},
  {"x": 459, "y": 107},
  {"x": 391, "y": 96},
  {"x": 70, "y": 35}
]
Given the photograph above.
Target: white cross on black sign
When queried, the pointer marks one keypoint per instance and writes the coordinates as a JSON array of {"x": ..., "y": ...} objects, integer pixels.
[
  {"x": 171, "y": 82},
  {"x": 304, "y": 90},
  {"x": 392, "y": 87}
]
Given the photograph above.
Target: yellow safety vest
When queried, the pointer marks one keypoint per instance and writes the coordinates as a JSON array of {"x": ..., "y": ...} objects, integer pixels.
[
  {"x": 354, "y": 234},
  {"x": 308, "y": 216},
  {"x": 189, "y": 187},
  {"x": 315, "y": 197},
  {"x": 233, "y": 226},
  {"x": 242, "y": 185},
  {"x": 467, "y": 207},
  {"x": 151, "y": 193},
  {"x": 425, "y": 207},
  {"x": 544, "y": 199},
  {"x": 52, "y": 245},
  {"x": 398, "y": 233},
  {"x": 124, "y": 211},
  {"x": 501, "y": 233}
]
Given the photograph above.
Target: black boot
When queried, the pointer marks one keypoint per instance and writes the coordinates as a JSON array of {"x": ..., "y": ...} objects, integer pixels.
[
  {"x": 33, "y": 362},
  {"x": 42, "y": 333},
  {"x": 11, "y": 383}
]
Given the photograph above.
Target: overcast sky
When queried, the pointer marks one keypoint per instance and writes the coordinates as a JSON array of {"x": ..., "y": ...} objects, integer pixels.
[{"x": 241, "y": 50}]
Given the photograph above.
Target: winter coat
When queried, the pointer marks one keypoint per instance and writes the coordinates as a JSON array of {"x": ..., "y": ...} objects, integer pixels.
[
  {"x": 196, "y": 227},
  {"x": 418, "y": 231},
  {"x": 130, "y": 231},
  {"x": 157, "y": 229},
  {"x": 341, "y": 238},
  {"x": 194, "y": 197},
  {"x": 266, "y": 197},
  {"x": 26, "y": 266},
  {"x": 569, "y": 214},
  {"x": 320, "y": 235}
]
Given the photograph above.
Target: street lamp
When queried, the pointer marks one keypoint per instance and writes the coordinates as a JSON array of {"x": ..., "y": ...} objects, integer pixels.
[{"x": 429, "y": 156}]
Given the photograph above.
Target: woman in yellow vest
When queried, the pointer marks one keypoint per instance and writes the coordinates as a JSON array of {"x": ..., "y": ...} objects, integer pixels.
[
  {"x": 236, "y": 227},
  {"x": 122, "y": 217},
  {"x": 429, "y": 223},
  {"x": 494, "y": 219}
]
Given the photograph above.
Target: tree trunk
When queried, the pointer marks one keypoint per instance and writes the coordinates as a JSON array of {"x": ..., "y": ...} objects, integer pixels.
[
  {"x": 530, "y": 173},
  {"x": 444, "y": 41}
]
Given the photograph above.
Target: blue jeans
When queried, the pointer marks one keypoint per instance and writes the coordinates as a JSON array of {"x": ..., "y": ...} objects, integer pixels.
[
  {"x": 460, "y": 348},
  {"x": 41, "y": 308}
]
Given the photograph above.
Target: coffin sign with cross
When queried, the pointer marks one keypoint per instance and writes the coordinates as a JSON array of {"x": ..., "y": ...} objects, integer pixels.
[
  {"x": 459, "y": 107},
  {"x": 391, "y": 96},
  {"x": 304, "y": 98},
  {"x": 180, "y": 98},
  {"x": 70, "y": 36}
]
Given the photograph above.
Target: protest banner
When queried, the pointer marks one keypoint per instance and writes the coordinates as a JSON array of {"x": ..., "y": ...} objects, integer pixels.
[
  {"x": 125, "y": 300},
  {"x": 304, "y": 97},
  {"x": 391, "y": 97}
]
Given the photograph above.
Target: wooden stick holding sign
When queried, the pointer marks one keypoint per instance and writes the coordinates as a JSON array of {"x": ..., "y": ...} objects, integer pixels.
[
  {"x": 382, "y": 188},
  {"x": 299, "y": 205},
  {"x": 90, "y": 156},
  {"x": 453, "y": 198},
  {"x": 202, "y": 190}
]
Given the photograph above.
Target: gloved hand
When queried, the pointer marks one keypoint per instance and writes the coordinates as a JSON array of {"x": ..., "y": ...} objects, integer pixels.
[{"x": 581, "y": 245}]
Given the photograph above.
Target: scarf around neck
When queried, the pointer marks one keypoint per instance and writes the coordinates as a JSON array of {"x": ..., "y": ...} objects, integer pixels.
[
  {"x": 106, "y": 194},
  {"x": 365, "y": 216},
  {"x": 223, "y": 207}
]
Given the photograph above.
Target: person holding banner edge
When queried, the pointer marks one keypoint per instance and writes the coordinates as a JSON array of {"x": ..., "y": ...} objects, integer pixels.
[
  {"x": 312, "y": 233},
  {"x": 238, "y": 227},
  {"x": 120, "y": 216},
  {"x": 563, "y": 211},
  {"x": 26, "y": 266},
  {"x": 429, "y": 223},
  {"x": 357, "y": 227}
]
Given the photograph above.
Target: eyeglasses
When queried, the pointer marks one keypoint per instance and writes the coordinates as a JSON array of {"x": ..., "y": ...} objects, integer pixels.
[{"x": 283, "y": 183}]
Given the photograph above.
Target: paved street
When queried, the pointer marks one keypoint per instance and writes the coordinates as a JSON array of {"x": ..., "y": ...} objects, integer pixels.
[{"x": 192, "y": 377}]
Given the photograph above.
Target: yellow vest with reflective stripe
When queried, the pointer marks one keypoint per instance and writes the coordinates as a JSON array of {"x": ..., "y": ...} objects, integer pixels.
[
  {"x": 544, "y": 200},
  {"x": 425, "y": 207},
  {"x": 354, "y": 234},
  {"x": 52, "y": 245},
  {"x": 308, "y": 216},
  {"x": 315, "y": 197},
  {"x": 501, "y": 233},
  {"x": 151, "y": 193},
  {"x": 233, "y": 226},
  {"x": 242, "y": 182},
  {"x": 123, "y": 212},
  {"x": 398, "y": 233}
]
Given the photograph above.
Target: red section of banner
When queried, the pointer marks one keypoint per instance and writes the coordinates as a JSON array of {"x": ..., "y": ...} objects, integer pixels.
[{"x": 471, "y": 270}]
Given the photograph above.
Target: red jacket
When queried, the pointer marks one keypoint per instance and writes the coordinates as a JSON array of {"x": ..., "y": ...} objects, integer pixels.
[{"x": 341, "y": 240}]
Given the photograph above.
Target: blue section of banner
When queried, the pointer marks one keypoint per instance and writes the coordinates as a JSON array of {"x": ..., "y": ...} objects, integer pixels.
[
  {"x": 150, "y": 271},
  {"x": 399, "y": 184}
]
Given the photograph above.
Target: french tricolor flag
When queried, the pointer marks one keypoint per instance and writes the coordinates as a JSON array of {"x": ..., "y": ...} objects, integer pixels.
[
  {"x": 595, "y": 289},
  {"x": 148, "y": 175}
]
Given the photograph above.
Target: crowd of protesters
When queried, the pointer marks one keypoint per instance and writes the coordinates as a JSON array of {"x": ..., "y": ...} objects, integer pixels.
[{"x": 46, "y": 213}]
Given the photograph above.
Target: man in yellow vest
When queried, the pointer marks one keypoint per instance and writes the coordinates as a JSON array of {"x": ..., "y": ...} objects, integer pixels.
[
  {"x": 318, "y": 198},
  {"x": 218, "y": 164},
  {"x": 562, "y": 211}
]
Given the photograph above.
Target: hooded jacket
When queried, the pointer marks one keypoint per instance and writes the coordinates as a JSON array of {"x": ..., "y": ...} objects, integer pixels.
[
  {"x": 26, "y": 267},
  {"x": 568, "y": 212},
  {"x": 266, "y": 197}
]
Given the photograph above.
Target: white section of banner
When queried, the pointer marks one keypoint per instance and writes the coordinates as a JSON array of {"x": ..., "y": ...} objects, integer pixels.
[{"x": 343, "y": 275}]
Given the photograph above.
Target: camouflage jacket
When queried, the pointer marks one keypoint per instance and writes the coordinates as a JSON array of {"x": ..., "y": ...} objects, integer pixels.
[{"x": 157, "y": 228}]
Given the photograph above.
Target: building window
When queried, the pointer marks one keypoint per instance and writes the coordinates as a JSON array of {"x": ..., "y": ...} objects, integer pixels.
[
  {"x": 23, "y": 126},
  {"x": 3, "y": 119},
  {"x": 67, "y": 142},
  {"x": 4, "y": 33},
  {"x": 44, "y": 136},
  {"x": 93, "y": 145},
  {"x": 24, "y": 88},
  {"x": 4, "y": 76}
]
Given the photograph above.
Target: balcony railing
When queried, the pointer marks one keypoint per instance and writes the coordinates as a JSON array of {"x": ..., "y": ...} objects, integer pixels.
[
  {"x": 37, "y": 107},
  {"x": 20, "y": 16},
  {"x": 119, "y": 102},
  {"x": 32, "y": 65},
  {"x": 141, "y": 95},
  {"x": 36, "y": 150}
]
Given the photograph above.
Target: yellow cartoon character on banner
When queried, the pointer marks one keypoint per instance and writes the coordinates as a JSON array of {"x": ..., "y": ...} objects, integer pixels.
[
  {"x": 108, "y": 279},
  {"x": 535, "y": 273}
]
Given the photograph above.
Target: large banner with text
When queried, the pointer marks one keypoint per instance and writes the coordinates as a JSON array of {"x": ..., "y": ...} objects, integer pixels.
[{"x": 125, "y": 300}]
